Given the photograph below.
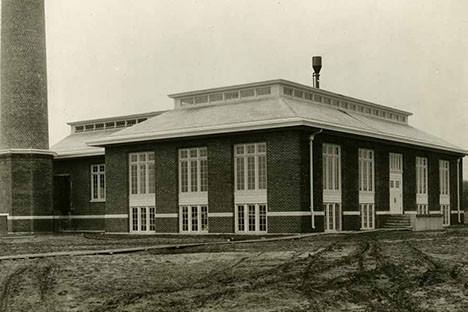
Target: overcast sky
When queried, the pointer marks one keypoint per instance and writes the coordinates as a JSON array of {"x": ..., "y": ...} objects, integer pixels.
[{"x": 113, "y": 57}]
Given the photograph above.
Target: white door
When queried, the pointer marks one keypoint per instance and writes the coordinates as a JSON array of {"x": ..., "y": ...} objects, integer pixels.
[{"x": 396, "y": 194}]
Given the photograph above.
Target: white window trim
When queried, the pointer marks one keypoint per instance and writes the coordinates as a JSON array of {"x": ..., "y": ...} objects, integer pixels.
[
  {"x": 396, "y": 162},
  {"x": 422, "y": 183},
  {"x": 189, "y": 159},
  {"x": 370, "y": 211},
  {"x": 444, "y": 188},
  {"x": 146, "y": 162},
  {"x": 101, "y": 197},
  {"x": 148, "y": 216},
  {"x": 326, "y": 210},
  {"x": 445, "y": 210},
  {"x": 422, "y": 209},
  {"x": 331, "y": 195},
  {"x": 199, "y": 221},
  {"x": 246, "y": 218},
  {"x": 245, "y": 156},
  {"x": 367, "y": 157}
]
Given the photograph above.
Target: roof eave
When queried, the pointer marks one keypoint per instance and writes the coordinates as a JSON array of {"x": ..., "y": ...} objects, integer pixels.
[{"x": 279, "y": 123}]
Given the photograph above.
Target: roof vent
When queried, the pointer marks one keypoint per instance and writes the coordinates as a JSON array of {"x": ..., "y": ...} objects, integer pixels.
[{"x": 317, "y": 66}]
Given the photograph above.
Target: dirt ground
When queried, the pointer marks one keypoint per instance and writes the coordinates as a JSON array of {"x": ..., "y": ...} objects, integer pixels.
[{"x": 386, "y": 271}]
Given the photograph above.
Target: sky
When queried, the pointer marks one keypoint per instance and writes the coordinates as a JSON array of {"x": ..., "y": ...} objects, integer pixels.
[{"x": 114, "y": 57}]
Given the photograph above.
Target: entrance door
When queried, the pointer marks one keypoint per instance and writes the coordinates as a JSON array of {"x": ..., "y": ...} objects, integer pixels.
[
  {"x": 62, "y": 191},
  {"x": 396, "y": 194}
]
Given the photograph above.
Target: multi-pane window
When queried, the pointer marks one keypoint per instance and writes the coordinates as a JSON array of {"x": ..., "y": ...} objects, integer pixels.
[
  {"x": 332, "y": 216},
  {"x": 445, "y": 209},
  {"x": 444, "y": 167},
  {"x": 367, "y": 216},
  {"x": 98, "y": 182},
  {"x": 422, "y": 209},
  {"x": 250, "y": 167},
  {"x": 331, "y": 167},
  {"x": 251, "y": 218},
  {"x": 396, "y": 162},
  {"x": 421, "y": 175},
  {"x": 194, "y": 218},
  {"x": 366, "y": 170},
  {"x": 143, "y": 219},
  {"x": 142, "y": 175},
  {"x": 193, "y": 170}
]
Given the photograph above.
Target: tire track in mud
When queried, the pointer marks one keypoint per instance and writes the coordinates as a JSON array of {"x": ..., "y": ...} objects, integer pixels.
[
  {"x": 40, "y": 277},
  {"x": 399, "y": 293},
  {"x": 129, "y": 299},
  {"x": 439, "y": 271},
  {"x": 363, "y": 281}
]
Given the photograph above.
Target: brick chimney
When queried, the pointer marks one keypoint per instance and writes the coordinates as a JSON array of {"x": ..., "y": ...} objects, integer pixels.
[{"x": 25, "y": 161}]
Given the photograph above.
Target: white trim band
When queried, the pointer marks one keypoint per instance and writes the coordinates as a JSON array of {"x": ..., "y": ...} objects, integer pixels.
[
  {"x": 165, "y": 215},
  {"x": 107, "y": 216},
  {"x": 288, "y": 213},
  {"x": 220, "y": 215},
  {"x": 27, "y": 151},
  {"x": 351, "y": 213}
]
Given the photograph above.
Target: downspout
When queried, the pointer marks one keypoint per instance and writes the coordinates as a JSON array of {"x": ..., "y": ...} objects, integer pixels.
[
  {"x": 458, "y": 190},
  {"x": 311, "y": 151}
]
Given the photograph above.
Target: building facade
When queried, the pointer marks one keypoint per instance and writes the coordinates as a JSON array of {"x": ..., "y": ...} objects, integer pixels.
[{"x": 267, "y": 157}]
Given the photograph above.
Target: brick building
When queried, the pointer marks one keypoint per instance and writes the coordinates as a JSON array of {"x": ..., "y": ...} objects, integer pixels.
[{"x": 267, "y": 157}]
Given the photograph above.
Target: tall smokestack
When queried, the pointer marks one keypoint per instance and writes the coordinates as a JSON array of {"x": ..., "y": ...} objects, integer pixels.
[
  {"x": 317, "y": 66},
  {"x": 25, "y": 161}
]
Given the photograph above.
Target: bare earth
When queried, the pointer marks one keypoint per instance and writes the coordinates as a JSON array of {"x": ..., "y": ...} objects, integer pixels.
[{"x": 393, "y": 271}]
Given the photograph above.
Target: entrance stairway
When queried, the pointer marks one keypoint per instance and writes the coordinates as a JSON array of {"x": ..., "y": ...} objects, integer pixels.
[{"x": 397, "y": 221}]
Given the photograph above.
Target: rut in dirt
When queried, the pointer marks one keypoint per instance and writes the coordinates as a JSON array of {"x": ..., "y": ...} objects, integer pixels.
[{"x": 39, "y": 277}]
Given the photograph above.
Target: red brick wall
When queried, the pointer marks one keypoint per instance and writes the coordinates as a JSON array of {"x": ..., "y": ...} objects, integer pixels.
[
  {"x": 288, "y": 176},
  {"x": 23, "y": 113},
  {"x": 27, "y": 190},
  {"x": 79, "y": 170}
]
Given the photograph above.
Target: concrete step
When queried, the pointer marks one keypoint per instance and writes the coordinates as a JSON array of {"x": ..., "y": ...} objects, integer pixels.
[{"x": 397, "y": 221}]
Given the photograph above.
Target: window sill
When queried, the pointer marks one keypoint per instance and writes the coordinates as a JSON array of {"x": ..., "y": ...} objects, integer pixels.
[{"x": 97, "y": 201}]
